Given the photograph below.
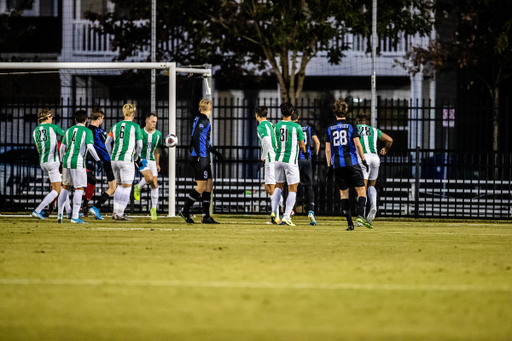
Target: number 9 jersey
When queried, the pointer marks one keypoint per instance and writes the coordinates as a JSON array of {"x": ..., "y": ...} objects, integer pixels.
[{"x": 341, "y": 134}]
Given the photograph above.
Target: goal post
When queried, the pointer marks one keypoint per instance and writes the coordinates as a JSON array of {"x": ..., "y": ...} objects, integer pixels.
[{"x": 172, "y": 70}]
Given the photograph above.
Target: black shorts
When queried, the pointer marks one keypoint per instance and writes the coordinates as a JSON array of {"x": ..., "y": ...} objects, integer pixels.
[
  {"x": 203, "y": 169},
  {"x": 107, "y": 167},
  {"x": 349, "y": 176},
  {"x": 306, "y": 172}
]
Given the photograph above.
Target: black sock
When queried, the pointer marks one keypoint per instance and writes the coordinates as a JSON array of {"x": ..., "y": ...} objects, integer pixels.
[
  {"x": 311, "y": 198},
  {"x": 361, "y": 206},
  {"x": 206, "y": 204},
  {"x": 101, "y": 200},
  {"x": 192, "y": 198},
  {"x": 345, "y": 206}
]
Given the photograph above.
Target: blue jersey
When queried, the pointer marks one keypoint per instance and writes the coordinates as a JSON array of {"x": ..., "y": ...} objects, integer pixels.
[
  {"x": 100, "y": 136},
  {"x": 341, "y": 135},
  {"x": 201, "y": 131},
  {"x": 308, "y": 132}
]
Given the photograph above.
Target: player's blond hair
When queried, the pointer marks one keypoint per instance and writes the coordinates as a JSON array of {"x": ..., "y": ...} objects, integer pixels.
[
  {"x": 44, "y": 114},
  {"x": 340, "y": 108},
  {"x": 204, "y": 105},
  {"x": 129, "y": 109}
]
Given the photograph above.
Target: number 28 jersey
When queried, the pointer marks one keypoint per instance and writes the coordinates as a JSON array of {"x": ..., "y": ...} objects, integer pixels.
[{"x": 341, "y": 135}]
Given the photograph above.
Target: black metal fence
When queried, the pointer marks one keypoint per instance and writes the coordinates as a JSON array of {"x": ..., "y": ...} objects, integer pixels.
[{"x": 443, "y": 162}]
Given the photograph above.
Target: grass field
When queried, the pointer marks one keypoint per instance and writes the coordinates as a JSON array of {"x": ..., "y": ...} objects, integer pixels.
[{"x": 246, "y": 280}]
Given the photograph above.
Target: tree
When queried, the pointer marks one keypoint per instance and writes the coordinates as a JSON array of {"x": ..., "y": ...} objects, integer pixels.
[
  {"x": 479, "y": 42},
  {"x": 11, "y": 32},
  {"x": 248, "y": 37}
]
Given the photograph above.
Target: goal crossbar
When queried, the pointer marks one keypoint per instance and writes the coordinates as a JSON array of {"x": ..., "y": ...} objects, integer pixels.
[{"x": 206, "y": 71}]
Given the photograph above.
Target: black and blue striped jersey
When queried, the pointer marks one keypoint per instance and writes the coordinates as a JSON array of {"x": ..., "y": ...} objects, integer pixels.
[
  {"x": 201, "y": 131},
  {"x": 308, "y": 132},
  {"x": 341, "y": 134}
]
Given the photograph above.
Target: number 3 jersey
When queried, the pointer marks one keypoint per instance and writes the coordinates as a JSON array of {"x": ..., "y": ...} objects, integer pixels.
[
  {"x": 341, "y": 135},
  {"x": 46, "y": 137}
]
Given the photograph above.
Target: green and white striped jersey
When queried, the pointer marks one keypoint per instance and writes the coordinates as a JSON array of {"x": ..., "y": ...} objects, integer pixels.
[
  {"x": 150, "y": 142},
  {"x": 46, "y": 137},
  {"x": 369, "y": 138},
  {"x": 288, "y": 135},
  {"x": 125, "y": 135},
  {"x": 76, "y": 139},
  {"x": 264, "y": 129}
]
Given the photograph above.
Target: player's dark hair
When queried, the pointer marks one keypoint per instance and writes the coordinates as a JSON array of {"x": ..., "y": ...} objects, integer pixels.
[
  {"x": 261, "y": 110},
  {"x": 96, "y": 113},
  {"x": 295, "y": 114},
  {"x": 286, "y": 109},
  {"x": 80, "y": 116},
  {"x": 148, "y": 115},
  {"x": 340, "y": 108},
  {"x": 362, "y": 119}
]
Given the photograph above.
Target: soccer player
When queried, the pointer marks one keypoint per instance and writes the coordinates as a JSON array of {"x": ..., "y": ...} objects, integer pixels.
[
  {"x": 289, "y": 138},
  {"x": 46, "y": 137},
  {"x": 341, "y": 148},
  {"x": 77, "y": 142},
  {"x": 268, "y": 142},
  {"x": 151, "y": 142},
  {"x": 127, "y": 140},
  {"x": 369, "y": 138},
  {"x": 100, "y": 137},
  {"x": 306, "y": 166},
  {"x": 201, "y": 163}
]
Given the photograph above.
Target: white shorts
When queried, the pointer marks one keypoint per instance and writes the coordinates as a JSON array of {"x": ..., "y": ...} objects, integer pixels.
[
  {"x": 76, "y": 178},
  {"x": 124, "y": 172},
  {"x": 373, "y": 161},
  {"x": 288, "y": 172},
  {"x": 52, "y": 170},
  {"x": 270, "y": 173},
  {"x": 152, "y": 167}
]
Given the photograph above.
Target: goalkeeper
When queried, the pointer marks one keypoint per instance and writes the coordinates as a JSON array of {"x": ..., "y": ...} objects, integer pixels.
[{"x": 100, "y": 136}]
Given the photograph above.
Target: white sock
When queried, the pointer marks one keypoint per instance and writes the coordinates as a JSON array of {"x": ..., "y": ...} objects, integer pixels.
[
  {"x": 142, "y": 182},
  {"x": 290, "y": 202},
  {"x": 281, "y": 201},
  {"x": 154, "y": 197},
  {"x": 67, "y": 206},
  {"x": 125, "y": 198},
  {"x": 47, "y": 200},
  {"x": 63, "y": 196},
  {"x": 77, "y": 201},
  {"x": 117, "y": 194},
  {"x": 372, "y": 195},
  {"x": 274, "y": 200}
]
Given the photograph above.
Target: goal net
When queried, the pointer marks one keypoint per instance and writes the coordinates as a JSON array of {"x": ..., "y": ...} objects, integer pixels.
[{"x": 64, "y": 88}]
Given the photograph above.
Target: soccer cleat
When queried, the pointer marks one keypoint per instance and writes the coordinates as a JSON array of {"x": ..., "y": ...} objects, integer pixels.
[
  {"x": 358, "y": 224},
  {"x": 287, "y": 221},
  {"x": 311, "y": 217},
  {"x": 96, "y": 213},
  {"x": 371, "y": 215},
  {"x": 38, "y": 215},
  {"x": 59, "y": 218},
  {"x": 154, "y": 216},
  {"x": 136, "y": 192},
  {"x": 365, "y": 222},
  {"x": 350, "y": 228},
  {"x": 122, "y": 217},
  {"x": 209, "y": 220},
  {"x": 78, "y": 221},
  {"x": 186, "y": 217},
  {"x": 274, "y": 219}
]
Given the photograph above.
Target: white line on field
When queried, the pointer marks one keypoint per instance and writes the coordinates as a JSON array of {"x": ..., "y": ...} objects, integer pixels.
[{"x": 248, "y": 285}]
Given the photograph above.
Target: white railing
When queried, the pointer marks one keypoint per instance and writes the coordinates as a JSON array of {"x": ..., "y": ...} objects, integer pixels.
[{"x": 88, "y": 41}]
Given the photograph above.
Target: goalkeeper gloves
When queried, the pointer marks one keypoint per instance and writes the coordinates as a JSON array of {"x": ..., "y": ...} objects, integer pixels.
[
  {"x": 215, "y": 152},
  {"x": 365, "y": 164}
]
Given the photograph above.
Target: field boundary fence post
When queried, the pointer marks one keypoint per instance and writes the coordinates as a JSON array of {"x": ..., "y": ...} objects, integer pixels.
[{"x": 417, "y": 185}]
